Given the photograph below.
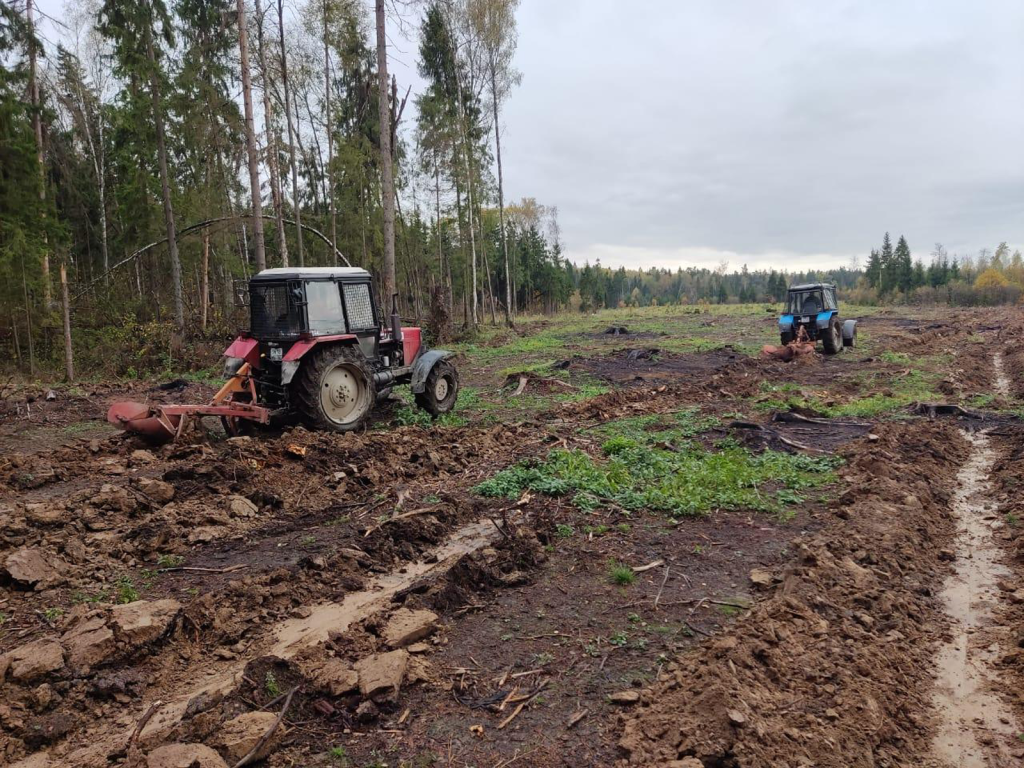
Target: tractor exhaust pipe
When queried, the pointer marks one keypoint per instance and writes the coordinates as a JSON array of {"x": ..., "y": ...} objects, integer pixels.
[{"x": 396, "y": 325}]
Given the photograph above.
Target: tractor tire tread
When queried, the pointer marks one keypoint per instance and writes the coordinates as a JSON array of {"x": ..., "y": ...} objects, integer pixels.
[
  {"x": 426, "y": 399},
  {"x": 306, "y": 389},
  {"x": 832, "y": 341}
]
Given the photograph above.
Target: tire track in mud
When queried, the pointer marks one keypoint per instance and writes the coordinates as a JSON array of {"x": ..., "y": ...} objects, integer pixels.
[
  {"x": 975, "y": 726},
  {"x": 973, "y": 721},
  {"x": 284, "y": 640},
  {"x": 1002, "y": 380}
]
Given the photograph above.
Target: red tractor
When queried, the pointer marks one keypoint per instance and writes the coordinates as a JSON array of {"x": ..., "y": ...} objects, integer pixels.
[{"x": 316, "y": 348}]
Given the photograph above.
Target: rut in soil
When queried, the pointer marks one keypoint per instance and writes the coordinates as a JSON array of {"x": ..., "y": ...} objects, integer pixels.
[
  {"x": 290, "y": 637},
  {"x": 976, "y": 729}
]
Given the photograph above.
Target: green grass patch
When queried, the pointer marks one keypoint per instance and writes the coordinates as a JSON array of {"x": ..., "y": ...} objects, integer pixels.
[
  {"x": 647, "y": 464},
  {"x": 982, "y": 401},
  {"x": 621, "y": 574}
]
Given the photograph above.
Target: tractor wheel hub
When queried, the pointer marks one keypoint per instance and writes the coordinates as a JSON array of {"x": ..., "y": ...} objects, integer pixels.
[
  {"x": 441, "y": 388},
  {"x": 341, "y": 394}
]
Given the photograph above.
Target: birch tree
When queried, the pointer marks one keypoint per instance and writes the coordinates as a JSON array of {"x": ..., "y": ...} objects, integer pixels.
[{"x": 495, "y": 25}]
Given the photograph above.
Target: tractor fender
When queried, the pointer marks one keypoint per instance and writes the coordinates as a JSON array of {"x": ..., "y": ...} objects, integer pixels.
[
  {"x": 849, "y": 333},
  {"x": 423, "y": 365},
  {"x": 293, "y": 357},
  {"x": 824, "y": 318},
  {"x": 785, "y": 322}
]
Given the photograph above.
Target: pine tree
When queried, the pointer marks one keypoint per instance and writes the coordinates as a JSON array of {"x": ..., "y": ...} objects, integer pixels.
[
  {"x": 873, "y": 273},
  {"x": 903, "y": 266},
  {"x": 136, "y": 28},
  {"x": 887, "y": 276}
]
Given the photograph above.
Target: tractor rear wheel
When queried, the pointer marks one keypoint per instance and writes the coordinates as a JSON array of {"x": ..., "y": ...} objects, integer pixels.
[
  {"x": 335, "y": 390},
  {"x": 832, "y": 340},
  {"x": 441, "y": 389},
  {"x": 786, "y": 337}
]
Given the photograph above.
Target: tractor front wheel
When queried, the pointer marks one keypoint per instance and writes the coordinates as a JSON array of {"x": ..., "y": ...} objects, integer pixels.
[
  {"x": 441, "y": 389},
  {"x": 832, "y": 340},
  {"x": 335, "y": 390}
]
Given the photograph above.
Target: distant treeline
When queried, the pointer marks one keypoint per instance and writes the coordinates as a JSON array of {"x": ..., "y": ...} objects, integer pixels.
[
  {"x": 892, "y": 276},
  {"x": 599, "y": 287}
]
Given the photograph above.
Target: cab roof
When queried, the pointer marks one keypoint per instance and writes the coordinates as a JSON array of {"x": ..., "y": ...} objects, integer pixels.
[
  {"x": 312, "y": 273},
  {"x": 810, "y": 287}
]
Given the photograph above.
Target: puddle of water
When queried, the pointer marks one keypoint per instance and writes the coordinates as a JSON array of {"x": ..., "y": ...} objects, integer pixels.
[
  {"x": 975, "y": 726},
  {"x": 292, "y": 636}
]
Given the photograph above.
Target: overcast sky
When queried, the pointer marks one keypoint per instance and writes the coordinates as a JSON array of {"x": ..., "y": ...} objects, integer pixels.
[{"x": 767, "y": 132}]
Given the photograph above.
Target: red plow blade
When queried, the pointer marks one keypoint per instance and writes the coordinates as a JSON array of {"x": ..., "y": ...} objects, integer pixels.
[
  {"x": 150, "y": 423},
  {"x": 163, "y": 423}
]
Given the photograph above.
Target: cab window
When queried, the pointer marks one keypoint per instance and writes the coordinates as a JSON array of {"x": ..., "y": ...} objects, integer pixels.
[
  {"x": 323, "y": 308},
  {"x": 808, "y": 303}
]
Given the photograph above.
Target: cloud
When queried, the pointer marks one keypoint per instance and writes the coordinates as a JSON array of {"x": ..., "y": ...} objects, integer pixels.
[
  {"x": 631, "y": 257},
  {"x": 769, "y": 132}
]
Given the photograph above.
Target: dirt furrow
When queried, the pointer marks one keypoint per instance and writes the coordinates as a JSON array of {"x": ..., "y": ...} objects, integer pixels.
[
  {"x": 284, "y": 641},
  {"x": 975, "y": 728}
]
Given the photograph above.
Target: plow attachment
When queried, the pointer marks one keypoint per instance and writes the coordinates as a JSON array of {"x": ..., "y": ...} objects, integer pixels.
[
  {"x": 788, "y": 352},
  {"x": 163, "y": 423}
]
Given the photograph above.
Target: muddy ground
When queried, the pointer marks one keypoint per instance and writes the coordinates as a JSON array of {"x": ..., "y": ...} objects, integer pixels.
[{"x": 304, "y": 599}]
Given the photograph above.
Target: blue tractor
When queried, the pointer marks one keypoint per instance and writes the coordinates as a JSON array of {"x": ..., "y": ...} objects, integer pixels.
[{"x": 812, "y": 313}]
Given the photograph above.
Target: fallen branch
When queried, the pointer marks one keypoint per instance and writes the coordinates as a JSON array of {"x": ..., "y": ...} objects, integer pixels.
[
  {"x": 396, "y": 518},
  {"x": 270, "y": 732},
  {"x": 519, "y": 707},
  {"x": 793, "y": 416},
  {"x": 774, "y": 435},
  {"x": 195, "y": 568},
  {"x": 662, "y": 587},
  {"x": 649, "y": 566},
  {"x": 142, "y": 723},
  {"x": 577, "y": 717},
  {"x": 931, "y": 410}
]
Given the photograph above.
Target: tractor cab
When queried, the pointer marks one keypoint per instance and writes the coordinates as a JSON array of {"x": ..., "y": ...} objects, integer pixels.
[
  {"x": 812, "y": 313},
  {"x": 288, "y": 305}
]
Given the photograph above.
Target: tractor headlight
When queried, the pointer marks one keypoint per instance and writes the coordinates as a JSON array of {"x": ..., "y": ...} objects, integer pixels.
[
  {"x": 231, "y": 366},
  {"x": 288, "y": 371}
]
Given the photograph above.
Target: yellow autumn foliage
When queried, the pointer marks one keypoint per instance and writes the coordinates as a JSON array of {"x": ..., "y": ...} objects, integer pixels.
[{"x": 991, "y": 278}]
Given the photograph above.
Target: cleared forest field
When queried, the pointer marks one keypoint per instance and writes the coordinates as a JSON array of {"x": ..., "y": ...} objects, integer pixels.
[{"x": 634, "y": 541}]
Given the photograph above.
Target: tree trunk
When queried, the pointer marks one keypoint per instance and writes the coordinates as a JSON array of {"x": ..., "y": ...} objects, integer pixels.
[
  {"x": 204, "y": 299},
  {"x": 488, "y": 280},
  {"x": 465, "y": 260},
  {"x": 501, "y": 191},
  {"x": 296, "y": 207},
  {"x": 37, "y": 127},
  {"x": 314, "y": 174},
  {"x": 16, "y": 342},
  {"x": 28, "y": 322},
  {"x": 386, "y": 171},
  {"x": 330, "y": 141},
  {"x": 69, "y": 356},
  {"x": 445, "y": 275},
  {"x": 463, "y": 128},
  {"x": 165, "y": 187},
  {"x": 250, "y": 140},
  {"x": 272, "y": 155}
]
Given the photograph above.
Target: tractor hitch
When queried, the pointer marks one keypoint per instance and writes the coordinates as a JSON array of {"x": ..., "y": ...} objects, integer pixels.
[{"x": 163, "y": 423}]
